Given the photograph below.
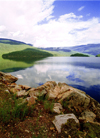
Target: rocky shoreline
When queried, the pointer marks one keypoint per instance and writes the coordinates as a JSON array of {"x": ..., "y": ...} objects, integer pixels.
[{"x": 70, "y": 105}]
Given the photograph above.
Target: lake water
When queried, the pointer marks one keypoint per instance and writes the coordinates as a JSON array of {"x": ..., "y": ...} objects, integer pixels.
[{"x": 80, "y": 72}]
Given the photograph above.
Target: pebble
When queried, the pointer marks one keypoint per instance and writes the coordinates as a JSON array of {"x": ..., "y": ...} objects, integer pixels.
[
  {"x": 52, "y": 128},
  {"x": 27, "y": 131}
]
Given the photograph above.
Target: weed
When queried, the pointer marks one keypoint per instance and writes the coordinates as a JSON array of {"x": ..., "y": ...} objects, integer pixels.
[{"x": 48, "y": 105}]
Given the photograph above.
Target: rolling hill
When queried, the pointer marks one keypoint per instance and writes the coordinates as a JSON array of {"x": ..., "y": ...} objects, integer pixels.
[{"x": 8, "y": 46}]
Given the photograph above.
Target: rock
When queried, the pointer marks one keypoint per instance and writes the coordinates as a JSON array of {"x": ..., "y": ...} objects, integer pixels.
[
  {"x": 88, "y": 116},
  {"x": 6, "y": 77},
  {"x": 14, "y": 88},
  {"x": 50, "y": 84},
  {"x": 21, "y": 93},
  {"x": 75, "y": 98},
  {"x": 7, "y": 91},
  {"x": 57, "y": 108},
  {"x": 62, "y": 119},
  {"x": 27, "y": 131},
  {"x": 37, "y": 92},
  {"x": 30, "y": 100},
  {"x": 25, "y": 87},
  {"x": 53, "y": 93},
  {"x": 52, "y": 128}
]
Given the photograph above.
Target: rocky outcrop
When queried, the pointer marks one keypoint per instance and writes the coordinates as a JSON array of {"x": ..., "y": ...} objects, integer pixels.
[
  {"x": 72, "y": 103},
  {"x": 63, "y": 92}
]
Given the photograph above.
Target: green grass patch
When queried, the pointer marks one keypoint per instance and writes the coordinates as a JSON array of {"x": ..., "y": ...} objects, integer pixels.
[{"x": 10, "y": 110}]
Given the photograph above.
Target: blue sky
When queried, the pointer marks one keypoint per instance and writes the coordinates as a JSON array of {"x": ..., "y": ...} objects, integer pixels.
[
  {"x": 87, "y": 9},
  {"x": 51, "y": 23}
]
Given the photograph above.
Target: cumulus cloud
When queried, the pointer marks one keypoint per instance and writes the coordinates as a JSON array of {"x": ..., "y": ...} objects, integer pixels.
[
  {"x": 32, "y": 21},
  {"x": 67, "y": 32},
  {"x": 20, "y": 17}
]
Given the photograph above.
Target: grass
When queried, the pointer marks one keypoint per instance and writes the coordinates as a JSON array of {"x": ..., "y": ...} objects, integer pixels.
[
  {"x": 48, "y": 105},
  {"x": 37, "y": 119},
  {"x": 10, "y": 110}
]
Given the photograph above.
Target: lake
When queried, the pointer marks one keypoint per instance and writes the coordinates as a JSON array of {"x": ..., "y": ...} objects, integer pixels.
[{"x": 80, "y": 72}]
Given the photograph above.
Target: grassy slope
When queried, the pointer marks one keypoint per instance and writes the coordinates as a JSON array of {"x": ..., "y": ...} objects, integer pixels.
[{"x": 10, "y": 64}]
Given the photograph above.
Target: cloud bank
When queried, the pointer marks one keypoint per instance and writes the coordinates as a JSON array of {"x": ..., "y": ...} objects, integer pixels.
[{"x": 31, "y": 21}]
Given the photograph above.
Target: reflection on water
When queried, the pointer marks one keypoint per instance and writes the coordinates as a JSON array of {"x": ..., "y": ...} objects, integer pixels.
[{"x": 82, "y": 73}]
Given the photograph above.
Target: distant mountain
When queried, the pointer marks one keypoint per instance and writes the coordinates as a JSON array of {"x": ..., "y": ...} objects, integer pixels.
[
  {"x": 93, "y": 49},
  {"x": 64, "y": 49},
  {"x": 12, "y": 42}
]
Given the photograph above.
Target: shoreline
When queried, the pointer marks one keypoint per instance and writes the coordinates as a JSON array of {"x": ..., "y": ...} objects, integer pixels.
[{"x": 60, "y": 105}]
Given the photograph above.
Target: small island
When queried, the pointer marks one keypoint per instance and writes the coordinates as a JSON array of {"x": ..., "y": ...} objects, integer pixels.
[
  {"x": 79, "y": 55},
  {"x": 98, "y": 55}
]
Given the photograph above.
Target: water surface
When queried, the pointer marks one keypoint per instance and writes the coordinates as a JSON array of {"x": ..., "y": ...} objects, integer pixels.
[{"x": 82, "y": 73}]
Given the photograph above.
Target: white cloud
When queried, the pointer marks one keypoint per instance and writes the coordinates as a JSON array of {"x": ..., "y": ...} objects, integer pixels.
[
  {"x": 21, "y": 16},
  {"x": 67, "y": 32},
  {"x": 21, "y": 20},
  {"x": 2, "y": 28},
  {"x": 69, "y": 16},
  {"x": 81, "y": 8}
]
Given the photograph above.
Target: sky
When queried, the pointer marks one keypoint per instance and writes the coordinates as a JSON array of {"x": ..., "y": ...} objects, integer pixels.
[{"x": 51, "y": 23}]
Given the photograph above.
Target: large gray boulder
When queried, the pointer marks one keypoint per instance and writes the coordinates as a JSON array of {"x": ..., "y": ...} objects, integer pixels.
[{"x": 62, "y": 119}]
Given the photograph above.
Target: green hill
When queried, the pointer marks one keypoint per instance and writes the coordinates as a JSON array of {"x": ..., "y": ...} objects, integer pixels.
[
  {"x": 27, "y": 55},
  {"x": 18, "y": 55},
  {"x": 20, "y": 49},
  {"x": 7, "y": 46}
]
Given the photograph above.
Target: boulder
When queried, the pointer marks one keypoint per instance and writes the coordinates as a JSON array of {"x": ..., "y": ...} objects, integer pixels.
[
  {"x": 7, "y": 78},
  {"x": 37, "y": 92},
  {"x": 53, "y": 93},
  {"x": 43, "y": 89},
  {"x": 14, "y": 88},
  {"x": 21, "y": 93},
  {"x": 88, "y": 116},
  {"x": 62, "y": 119},
  {"x": 25, "y": 87},
  {"x": 61, "y": 91},
  {"x": 57, "y": 108},
  {"x": 76, "y": 99}
]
